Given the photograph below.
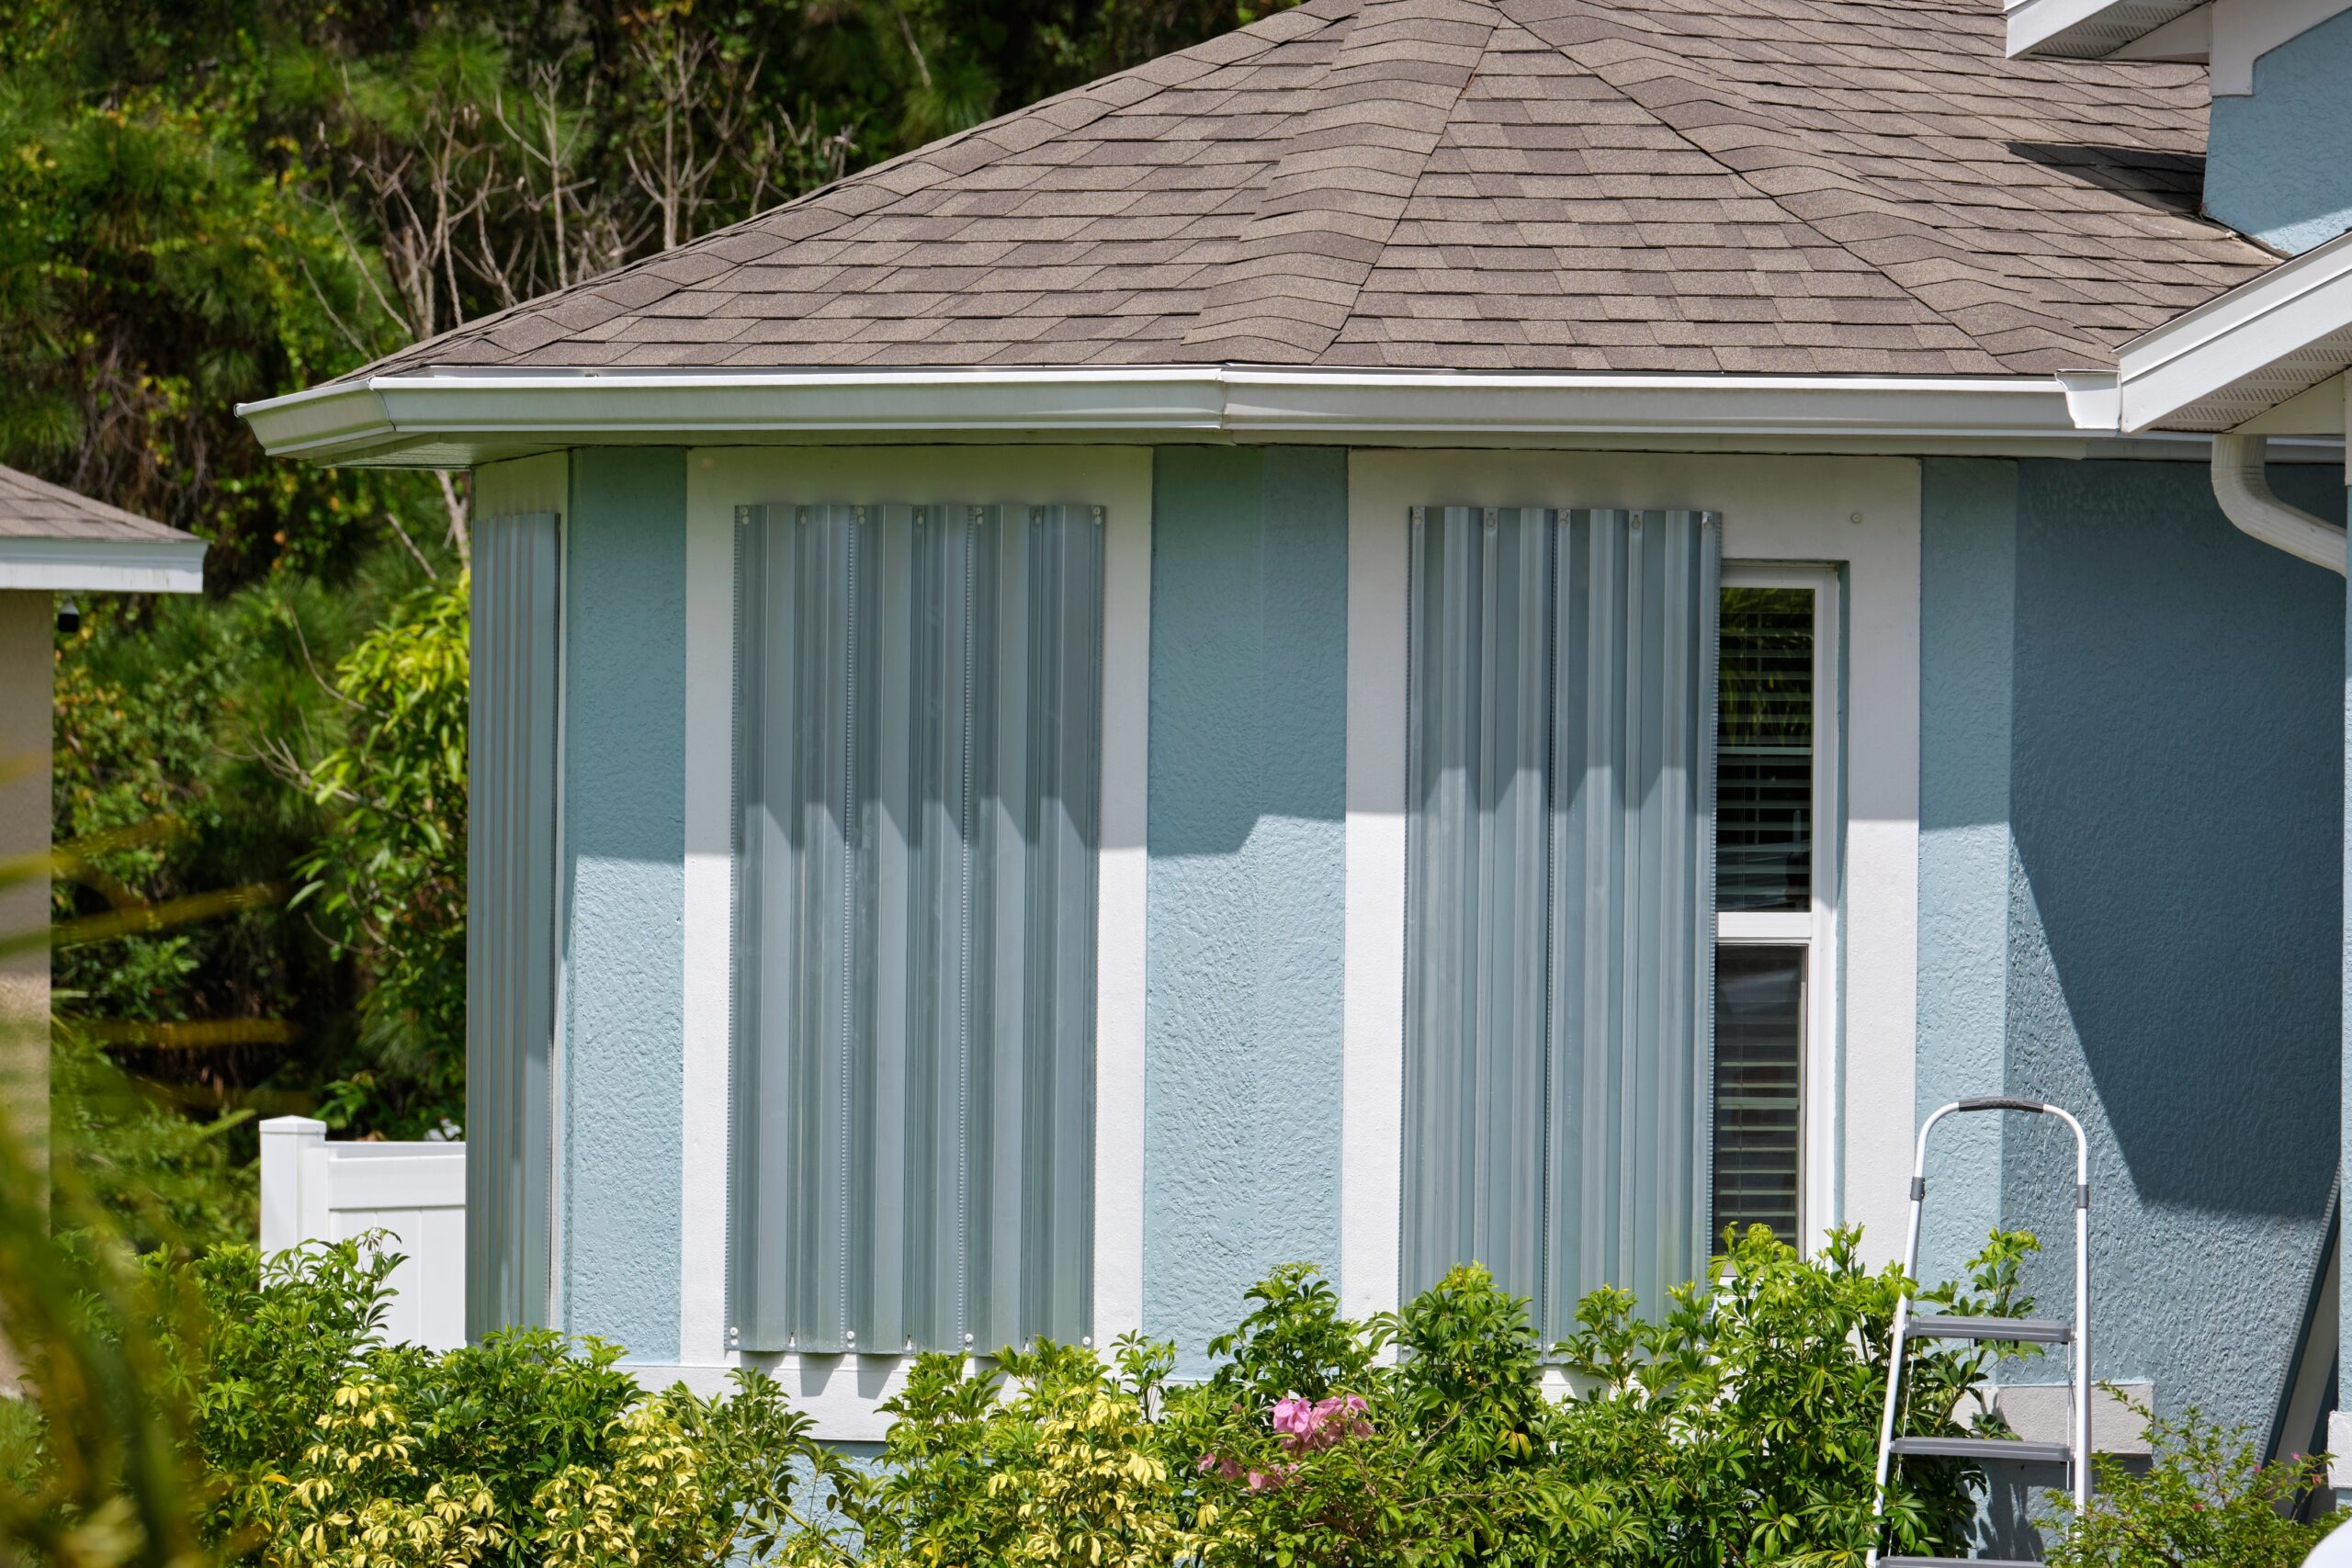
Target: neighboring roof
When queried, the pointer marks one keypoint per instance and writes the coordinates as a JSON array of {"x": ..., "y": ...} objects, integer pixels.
[
  {"x": 51, "y": 538},
  {"x": 1715, "y": 186}
]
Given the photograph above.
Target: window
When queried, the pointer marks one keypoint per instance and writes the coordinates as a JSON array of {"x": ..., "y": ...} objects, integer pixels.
[
  {"x": 1774, "y": 781},
  {"x": 919, "y": 754},
  {"x": 1559, "y": 890}
]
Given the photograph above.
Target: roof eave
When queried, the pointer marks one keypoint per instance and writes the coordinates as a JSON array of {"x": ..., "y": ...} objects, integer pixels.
[
  {"x": 103, "y": 566},
  {"x": 2087, "y": 30},
  {"x": 2237, "y": 356},
  {"x": 450, "y": 419}
]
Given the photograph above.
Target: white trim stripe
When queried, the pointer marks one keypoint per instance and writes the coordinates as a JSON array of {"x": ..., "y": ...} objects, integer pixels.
[
  {"x": 707, "y": 924},
  {"x": 1372, "y": 1116},
  {"x": 103, "y": 566}
]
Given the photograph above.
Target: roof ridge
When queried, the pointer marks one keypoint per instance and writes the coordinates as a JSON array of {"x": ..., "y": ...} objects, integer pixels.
[
  {"x": 1652, "y": 43},
  {"x": 1346, "y": 175}
]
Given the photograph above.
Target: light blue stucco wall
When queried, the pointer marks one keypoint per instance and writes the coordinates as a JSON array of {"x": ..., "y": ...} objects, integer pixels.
[
  {"x": 623, "y": 1047},
  {"x": 2278, "y": 164},
  {"x": 2169, "y": 962},
  {"x": 1245, "y": 894},
  {"x": 1967, "y": 624}
]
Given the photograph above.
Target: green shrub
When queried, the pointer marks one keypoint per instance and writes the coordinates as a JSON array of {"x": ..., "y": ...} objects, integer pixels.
[
  {"x": 1742, "y": 1426},
  {"x": 328, "y": 1448},
  {"x": 1045, "y": 1457},
  {"x": 2206, "y": 1498},
  {"x": 1736, "y": 1427}
]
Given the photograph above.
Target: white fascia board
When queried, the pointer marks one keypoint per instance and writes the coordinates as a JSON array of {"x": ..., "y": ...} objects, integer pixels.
[
  {"x": 103, "y": 566},
  {"x": 453, "y": 418},
  {"x": 2235, "y": 357},
  {"x": 2086, "y": 30}
]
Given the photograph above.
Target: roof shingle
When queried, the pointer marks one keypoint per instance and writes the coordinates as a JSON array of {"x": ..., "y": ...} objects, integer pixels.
[
  {"x": 35, "y": 509},
  {"x": 1827, "y": 187}
]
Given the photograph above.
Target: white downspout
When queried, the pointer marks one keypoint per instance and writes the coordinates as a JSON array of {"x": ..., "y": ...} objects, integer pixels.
[{"x": 2242, "y": 487}]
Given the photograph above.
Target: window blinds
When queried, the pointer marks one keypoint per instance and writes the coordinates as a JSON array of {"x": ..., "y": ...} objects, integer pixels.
[
  {"x": 510, "y": 920},
  {"x": 919, "y": 730},
  {"x": 1764, "y": 834},
  {"x": 1559, "y": 899}
]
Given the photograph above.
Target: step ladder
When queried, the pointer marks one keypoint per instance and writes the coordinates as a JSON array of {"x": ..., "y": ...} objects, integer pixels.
[{"x": 2076, "y": 1455}]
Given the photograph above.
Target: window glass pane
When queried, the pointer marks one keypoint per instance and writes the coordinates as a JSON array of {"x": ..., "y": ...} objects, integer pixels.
[
  {"x": 1759, "y": 1050},
  {"x": 1764, "y": 761}
]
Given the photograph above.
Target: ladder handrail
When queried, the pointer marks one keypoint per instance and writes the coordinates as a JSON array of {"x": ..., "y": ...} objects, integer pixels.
[{"x": 2079, "y": 1352}]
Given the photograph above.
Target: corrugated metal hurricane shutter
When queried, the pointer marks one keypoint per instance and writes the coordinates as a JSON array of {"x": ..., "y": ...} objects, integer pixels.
[
  {"x": 1559, "y": 869},
  {"x": 919, "y": 721},
  {"x": 1477, "y": 733},
  {"x": 1632, "y": 1029},
  {"x": 510, "y": 920}
]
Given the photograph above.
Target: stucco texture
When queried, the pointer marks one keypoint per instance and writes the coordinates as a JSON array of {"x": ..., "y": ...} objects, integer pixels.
[
  {"x": 2155, "y": 884},
  {"x": 622, "y": 1055},
  {"x": 2278, "y": 164},
  {"x": 1246, "y": 881}
]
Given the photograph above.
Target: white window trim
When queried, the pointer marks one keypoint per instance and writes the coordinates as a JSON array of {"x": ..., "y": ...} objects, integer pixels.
[
  {"x": 843, "y": 1394},
  {"x": 1816, "y": 929},
  {"x": 1860, "y": 513}
]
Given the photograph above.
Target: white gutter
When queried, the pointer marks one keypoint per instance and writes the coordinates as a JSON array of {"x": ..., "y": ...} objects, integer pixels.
[
  {"x": 450, "y": 418},
  {"x": 102, "y": 565},
  {"x": 2242, "y": 487}
]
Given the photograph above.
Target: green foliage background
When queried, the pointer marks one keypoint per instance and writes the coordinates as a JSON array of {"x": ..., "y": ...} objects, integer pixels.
[{"x": 209, "y": 201}]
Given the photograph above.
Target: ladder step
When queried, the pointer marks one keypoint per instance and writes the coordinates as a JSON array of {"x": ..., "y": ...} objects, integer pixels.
[
  {"x": 1980, "y": 1561},
  {"x": 2031, "y": 1330},
  {"x": 2007, "y": 1449}
]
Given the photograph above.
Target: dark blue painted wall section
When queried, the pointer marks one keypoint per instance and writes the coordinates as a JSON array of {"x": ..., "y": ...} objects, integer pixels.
[
  {"x": 2170, "y": 963},
  {"x": 1246, "y": 893}
]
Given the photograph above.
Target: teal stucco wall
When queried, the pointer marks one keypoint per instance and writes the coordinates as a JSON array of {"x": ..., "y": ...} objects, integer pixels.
[
  {"x": 2278, "y": 164},
  {"x": 1967, "y": 638},
  {"x": 622, "y": 1055},
  {"x": 1245, "y": 892},
  {"x": 2131, "y": 820}
]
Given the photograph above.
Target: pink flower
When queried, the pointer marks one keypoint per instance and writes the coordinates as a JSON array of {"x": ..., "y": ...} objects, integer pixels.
[
  {"x": 1226, "y": 1469},
  {"x": 1304, "y": 1427},
  {"x": 1260, "y": 1480}
]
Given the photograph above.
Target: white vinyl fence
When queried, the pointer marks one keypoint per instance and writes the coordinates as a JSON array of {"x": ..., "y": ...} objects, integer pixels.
[{"x": 315, "y": 1191}]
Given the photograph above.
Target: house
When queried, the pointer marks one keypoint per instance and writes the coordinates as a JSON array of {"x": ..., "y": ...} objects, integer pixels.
[
  {"x": 1501, "y": 629},
  {"x": 52, "y": 542},
  {"x": 2262, "y": 361}
]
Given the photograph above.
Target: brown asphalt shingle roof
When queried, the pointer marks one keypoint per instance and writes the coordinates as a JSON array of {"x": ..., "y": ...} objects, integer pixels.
[
  {"x": 1815, "y": 187},
  {"x": 35, "y": 509}
]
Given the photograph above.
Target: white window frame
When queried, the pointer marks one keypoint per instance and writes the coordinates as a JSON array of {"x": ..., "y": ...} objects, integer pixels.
[
  {"x": 1814, "y": 928},
  {"x": 844, "y": 1394}
]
